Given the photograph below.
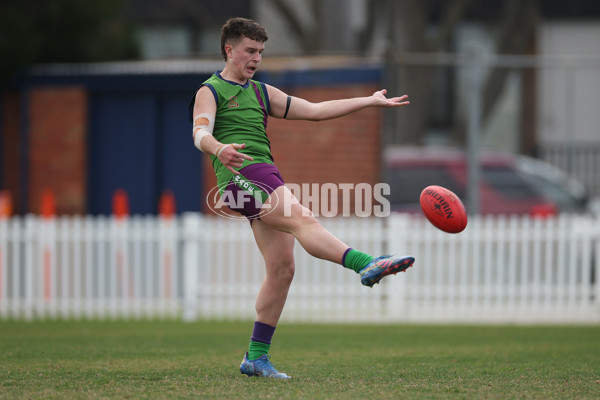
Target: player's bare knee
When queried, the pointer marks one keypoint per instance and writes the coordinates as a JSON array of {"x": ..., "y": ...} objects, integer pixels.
[
  {"x": 283, "y": 271},
  {"x": 306, "y": 217},
  {"x": 287, "y": 274}
]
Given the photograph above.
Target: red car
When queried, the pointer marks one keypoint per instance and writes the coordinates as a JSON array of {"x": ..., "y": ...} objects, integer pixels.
[{"x": 504, "y": 189}]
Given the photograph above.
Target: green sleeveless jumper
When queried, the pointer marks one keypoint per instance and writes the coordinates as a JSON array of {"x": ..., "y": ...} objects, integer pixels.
[{"x": 241, "y": 117}]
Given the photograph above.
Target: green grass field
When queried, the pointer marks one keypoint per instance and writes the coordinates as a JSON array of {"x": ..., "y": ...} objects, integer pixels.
[{"x": 168, "y": 359}]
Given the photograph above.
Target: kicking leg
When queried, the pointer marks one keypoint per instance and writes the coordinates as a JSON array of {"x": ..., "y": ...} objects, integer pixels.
[{"x": 284, "y": 212}]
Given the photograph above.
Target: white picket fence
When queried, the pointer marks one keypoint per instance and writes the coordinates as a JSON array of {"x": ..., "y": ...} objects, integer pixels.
[
  {"x": 92, "y": 267},
  {"x": 499, "y": 270}
]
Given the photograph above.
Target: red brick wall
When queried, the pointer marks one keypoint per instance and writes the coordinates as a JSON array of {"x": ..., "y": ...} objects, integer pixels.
[
  {"x": 339, "y": 150},
  {"x": 57, "y": 147},
  {"x": 11, "y": 157},
  {"x": 343, "y": 150}
]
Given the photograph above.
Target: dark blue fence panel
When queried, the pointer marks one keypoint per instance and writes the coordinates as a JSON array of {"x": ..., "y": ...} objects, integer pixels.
[
  {"x": 122, "y": 147},
  {"x": 142, "y": 143},
  {"x": 181, "y": 162}
]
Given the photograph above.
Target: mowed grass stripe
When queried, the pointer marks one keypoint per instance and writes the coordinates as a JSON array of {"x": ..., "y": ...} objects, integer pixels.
[{"x": 170, "y": 359}]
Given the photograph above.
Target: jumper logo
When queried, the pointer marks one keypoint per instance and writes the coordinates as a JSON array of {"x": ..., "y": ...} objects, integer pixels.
[
  {"x": 441, "y": 207},
  {"x": 232, "y": 102},
  {"x": 244, "y": 184}
]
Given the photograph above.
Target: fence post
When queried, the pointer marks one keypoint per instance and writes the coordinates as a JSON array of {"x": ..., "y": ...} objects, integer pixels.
[
  {"x": 5, "y": 212},
  {"x": 167, "y": 226},
  {"x": 191, "y": 250},
  {"x": 396, "y": 229},
  {"x": 49, "y": 245},
  {"x": 77, "y": 238},
  {"x": 30, "y": 240},
  {"x": 596, "y": 261},
  {"x": 4, "y": 243}
]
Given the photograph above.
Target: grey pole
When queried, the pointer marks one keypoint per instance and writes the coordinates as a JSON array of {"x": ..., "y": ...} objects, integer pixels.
[{"x": 475, "y": 83}]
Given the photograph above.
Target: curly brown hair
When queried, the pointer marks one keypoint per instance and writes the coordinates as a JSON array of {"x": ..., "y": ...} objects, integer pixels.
[{"x": 238, "y": 28}]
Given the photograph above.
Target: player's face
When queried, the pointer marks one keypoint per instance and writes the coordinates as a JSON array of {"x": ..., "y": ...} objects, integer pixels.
[{"x": 245, "y": 57}]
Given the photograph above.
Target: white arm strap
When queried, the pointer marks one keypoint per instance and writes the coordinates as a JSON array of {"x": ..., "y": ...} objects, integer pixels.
[{"x": 203, "y": 126}]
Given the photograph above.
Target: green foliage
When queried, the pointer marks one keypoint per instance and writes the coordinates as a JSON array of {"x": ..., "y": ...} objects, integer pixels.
[
  {"x": 160, "y": 360},
  {"x": 46, "y": 31}
]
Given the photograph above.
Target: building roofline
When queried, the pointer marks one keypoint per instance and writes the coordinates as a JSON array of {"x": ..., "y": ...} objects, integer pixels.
[
  {"x": 153, "y": 67},
  {"x": 208, "y": 66}
]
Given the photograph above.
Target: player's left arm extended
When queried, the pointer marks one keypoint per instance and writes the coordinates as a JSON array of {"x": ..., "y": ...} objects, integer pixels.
[{"x": 284, "y": 106}]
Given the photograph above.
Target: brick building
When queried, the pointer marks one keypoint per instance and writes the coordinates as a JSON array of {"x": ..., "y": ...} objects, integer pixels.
[{"x": 86, "y": 131}]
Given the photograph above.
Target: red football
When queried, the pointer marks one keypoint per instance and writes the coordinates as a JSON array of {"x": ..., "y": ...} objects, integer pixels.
[{"x": 443, "y": 209}]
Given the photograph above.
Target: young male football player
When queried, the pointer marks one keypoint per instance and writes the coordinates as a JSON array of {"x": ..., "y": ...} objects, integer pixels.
[{"x": 230, "y": 112}]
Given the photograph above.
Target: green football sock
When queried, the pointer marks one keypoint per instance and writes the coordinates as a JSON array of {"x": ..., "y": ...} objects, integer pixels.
[
  {"x": 356, "y": 260},
  {"x": 257, "y": 349}
]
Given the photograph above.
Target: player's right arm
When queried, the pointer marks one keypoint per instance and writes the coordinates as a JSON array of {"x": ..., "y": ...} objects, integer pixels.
[{"x": 205, "y": 110}]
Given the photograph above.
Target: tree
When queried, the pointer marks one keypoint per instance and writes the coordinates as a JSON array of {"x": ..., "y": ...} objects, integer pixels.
[
  {"x": 515, "y": 33},
  {"x": 43, "y": 31},
  {"x": 396, "y": 27},
  {"x": 407, "y": 32}
]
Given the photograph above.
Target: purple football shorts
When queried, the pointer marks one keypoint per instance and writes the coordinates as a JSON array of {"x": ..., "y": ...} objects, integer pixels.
[{"x": 247, "y": 192}]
